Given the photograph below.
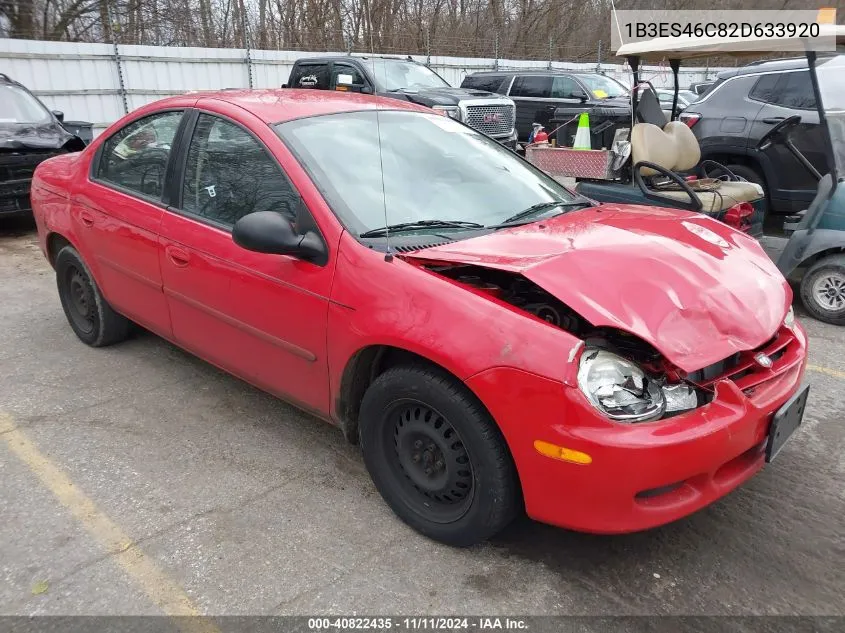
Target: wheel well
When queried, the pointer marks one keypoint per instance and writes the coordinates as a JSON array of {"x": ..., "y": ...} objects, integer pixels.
[
  {"x": 361, "y": 370},
  {"x": 738, "y": 159},
  {"x": 812, "y": 259},
  {"x": 55, "y": 243}
]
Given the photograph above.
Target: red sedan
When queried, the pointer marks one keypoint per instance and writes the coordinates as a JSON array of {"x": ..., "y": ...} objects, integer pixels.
[{"x": 494, "y": 341}]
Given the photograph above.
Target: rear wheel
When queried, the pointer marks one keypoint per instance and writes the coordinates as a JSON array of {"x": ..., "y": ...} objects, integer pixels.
[
  {"x": 91, "y": 318},
  {"x": 437, "y": 457},
  {"x": 823, "y": 290}
]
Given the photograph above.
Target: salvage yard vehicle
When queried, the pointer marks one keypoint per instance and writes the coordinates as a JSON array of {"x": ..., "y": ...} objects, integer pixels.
[
  {"x": 603, "y": 368},
  {"x": 814, "y": 254},
  {"x": 29, "y": 133},
  {"x": 663, "y": 151},
  {"x": 742, "y": 106},
  {"x": 541, "y": 95},
  {"x": 408, "y": 80}
]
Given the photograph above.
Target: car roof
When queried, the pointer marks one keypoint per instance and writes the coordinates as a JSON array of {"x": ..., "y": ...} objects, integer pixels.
[
  {"x": 5, "y": 79},
  {"x": 285, "y": 104},
  {"x": 346, "y": 58},
  {"x": 764, "y": 66},
  {"x": 530, "y": 71}
]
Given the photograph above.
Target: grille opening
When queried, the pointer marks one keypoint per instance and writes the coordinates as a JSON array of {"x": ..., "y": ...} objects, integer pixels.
[{"x": 493, "y": 120}]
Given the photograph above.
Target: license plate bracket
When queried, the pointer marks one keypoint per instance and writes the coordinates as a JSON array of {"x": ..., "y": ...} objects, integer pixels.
[{"x": 785, "y": 421}]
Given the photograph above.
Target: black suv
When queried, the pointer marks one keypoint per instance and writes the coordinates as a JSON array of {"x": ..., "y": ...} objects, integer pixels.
[
  {"x": 543, "y": 95},
  {"x": 29, "y": 134},
  {"x": 742, "y": 105},
  {"x": 408, "y": 80}
]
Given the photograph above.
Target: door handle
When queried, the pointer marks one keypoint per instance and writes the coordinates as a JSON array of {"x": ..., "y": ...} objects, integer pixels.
[
  {"x": 773, "y": 119},
  {"x": 177, "y": 256},
  {"x": 86, "y": 218}
]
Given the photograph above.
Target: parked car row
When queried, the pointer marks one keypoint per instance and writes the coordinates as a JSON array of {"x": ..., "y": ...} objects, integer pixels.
[{"x": 506, "y": 361}]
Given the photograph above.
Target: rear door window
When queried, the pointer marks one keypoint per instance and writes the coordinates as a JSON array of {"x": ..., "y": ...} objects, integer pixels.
[
  {"x": 795, "y": 90},
  {"x": 788, "y": 90},
  {"x": 310, "y": 76},
  {"x": 135, "y": 158},
  {"x": 534, "y": 86},
  {"x": 566, "y": 88}
]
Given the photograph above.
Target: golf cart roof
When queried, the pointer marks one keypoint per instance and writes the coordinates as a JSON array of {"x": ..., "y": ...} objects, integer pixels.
[{"x": 688, "y": 48}]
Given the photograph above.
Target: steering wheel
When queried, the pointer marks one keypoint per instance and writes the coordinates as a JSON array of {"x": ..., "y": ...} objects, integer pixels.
[
  {"x": 153, "y": 164},
  {"x": 769, "y": 137}
]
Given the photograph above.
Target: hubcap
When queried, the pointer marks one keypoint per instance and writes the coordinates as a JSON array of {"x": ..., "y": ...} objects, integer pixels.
[
  {"x": 81, "y": 300},
  {"x": 829, "y": 291},
  {"x": 431, "y": 459}
]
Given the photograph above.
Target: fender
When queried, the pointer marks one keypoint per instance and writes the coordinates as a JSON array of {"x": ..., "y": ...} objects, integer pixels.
[
  {"x": 803, "y": 245},
  {"x": 708, "y": 151}
]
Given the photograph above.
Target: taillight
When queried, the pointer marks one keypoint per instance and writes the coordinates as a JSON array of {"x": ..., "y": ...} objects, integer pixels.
[
  {"x": 690, "y": 118},
  {"x": 739, "y": 216}
]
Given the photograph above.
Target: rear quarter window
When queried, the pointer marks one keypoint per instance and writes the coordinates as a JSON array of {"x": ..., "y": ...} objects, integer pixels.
[{"x": 764, "y": 89}]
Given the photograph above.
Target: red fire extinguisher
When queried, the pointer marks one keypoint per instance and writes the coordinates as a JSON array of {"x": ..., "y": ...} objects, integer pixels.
[{"x": 538, "y": 135}]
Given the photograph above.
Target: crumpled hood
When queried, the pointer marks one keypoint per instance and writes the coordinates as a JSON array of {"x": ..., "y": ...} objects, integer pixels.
[
  {"x": 694, "y": 288},
  {"x": 27, "y": 136}
]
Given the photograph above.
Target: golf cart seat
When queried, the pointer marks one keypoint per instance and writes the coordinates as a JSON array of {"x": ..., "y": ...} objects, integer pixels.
[{"x": 658, "y": 154}]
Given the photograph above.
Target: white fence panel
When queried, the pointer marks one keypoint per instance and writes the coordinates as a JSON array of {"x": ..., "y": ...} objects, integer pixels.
[{"x": 82, "y": 79}]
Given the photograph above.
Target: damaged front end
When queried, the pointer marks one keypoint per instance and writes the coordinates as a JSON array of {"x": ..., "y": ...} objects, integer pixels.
[
  {"x": 16, "y": 170},
  {"x": 23, "y": 146},
  {"x": 625, "y": 378}
]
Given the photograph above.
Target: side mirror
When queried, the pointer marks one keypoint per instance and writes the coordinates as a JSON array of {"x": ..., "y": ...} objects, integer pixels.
[
  {"x": 271, "y": 232},
  {"x": 284, "y": 85},
  {"x": 59, "y": 115},
  {"x": 366, "y": 90}
]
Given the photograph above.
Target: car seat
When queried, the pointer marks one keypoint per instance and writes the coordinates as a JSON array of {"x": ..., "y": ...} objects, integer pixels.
[{"x": 659, "y": 154}]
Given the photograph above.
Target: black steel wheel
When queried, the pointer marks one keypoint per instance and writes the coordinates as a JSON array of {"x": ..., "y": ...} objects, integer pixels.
[
  {"x": 430, "y": 456},
  {"x": 436, "y": 456},
  {"x": 90, "y": 317}
]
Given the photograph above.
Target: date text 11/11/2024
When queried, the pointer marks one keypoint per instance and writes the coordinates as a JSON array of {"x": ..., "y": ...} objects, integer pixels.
[{"x": 420, "y": 623}]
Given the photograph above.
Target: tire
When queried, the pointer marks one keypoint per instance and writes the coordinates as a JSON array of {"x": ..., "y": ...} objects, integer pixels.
[
  {"x": 823, "y": 290},
  {"x": 413, "y": 418},
  {"x": 90, "y": 317}
]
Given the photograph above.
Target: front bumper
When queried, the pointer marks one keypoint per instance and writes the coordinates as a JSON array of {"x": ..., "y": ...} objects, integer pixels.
[
  {"x": 642, "y": 475},
  {"x": 16, "y": 169},
  {"x": 508, "y": 141}
]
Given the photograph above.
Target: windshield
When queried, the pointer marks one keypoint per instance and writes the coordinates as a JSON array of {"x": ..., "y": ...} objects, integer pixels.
[
  {"x": 433, "y": 168},
  {"x": 396, "y": 74},
  {"x": 603, "y": 87},
  {"x": 830, "y": 72},
  {"x": 18, "y": 106}
]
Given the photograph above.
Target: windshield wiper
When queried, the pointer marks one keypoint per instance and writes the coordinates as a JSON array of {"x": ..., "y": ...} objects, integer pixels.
[
  {"x": 421, "y": 224},
  {"x": 523, "y": 217}
]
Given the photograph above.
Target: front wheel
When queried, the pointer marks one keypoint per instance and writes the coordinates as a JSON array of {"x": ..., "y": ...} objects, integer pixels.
[
  {"x": 823, "y": 290},
  {"x": 437, "y": 457}
]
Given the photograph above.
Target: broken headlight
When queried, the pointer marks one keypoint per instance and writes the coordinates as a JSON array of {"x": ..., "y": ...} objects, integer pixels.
[
  {"x": 789, "y": 319},
  {"x": 618, "y": 388}
]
